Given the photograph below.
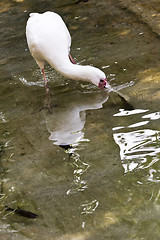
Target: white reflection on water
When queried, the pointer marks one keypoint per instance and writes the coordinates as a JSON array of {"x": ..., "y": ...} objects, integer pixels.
[
  {"x": 123, "y": 112},
  {"x": 136, "y": 146},
  {"x": 66, "y": 123},
  {"x": 140, "y": 148},
  {"x": 152, "y": 116},
  {"x": 2, "y": 118},
  {"x": 154, "y": 175},
  {"x": 78, "y": 184},
  {"x": 29, "y": 83},
  {"x": 138, "y": 124},
  {"x": 89, "y": 207}
]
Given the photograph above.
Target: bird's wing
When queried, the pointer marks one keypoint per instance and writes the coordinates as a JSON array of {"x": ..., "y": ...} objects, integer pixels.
[{"x": 49, "y": 34}]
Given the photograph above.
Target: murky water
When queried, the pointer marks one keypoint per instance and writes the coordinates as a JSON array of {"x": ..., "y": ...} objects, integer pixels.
[{"x": 107, "y": 185}]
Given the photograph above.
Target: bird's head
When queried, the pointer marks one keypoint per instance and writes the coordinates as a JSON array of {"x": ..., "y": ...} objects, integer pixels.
[
  {"x": 98, "y": 78},
  {"x": 102, "y": 83}
]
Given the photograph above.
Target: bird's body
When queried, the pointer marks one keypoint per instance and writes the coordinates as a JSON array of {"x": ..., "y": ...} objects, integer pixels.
[{"x": 49, "y": 40}]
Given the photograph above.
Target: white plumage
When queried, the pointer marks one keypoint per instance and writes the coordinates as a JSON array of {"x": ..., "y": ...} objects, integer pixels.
[{"x": 49, "y": 40}]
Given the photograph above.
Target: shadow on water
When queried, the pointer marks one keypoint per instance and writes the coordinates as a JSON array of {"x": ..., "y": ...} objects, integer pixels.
[{"x": 106, "y": 184}]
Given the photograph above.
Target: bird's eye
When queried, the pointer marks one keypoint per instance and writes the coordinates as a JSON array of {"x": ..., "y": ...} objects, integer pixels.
[{"x": 101, "y": 80}]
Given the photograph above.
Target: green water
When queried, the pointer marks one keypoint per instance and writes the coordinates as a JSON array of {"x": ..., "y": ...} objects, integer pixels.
[{"x": 107, "y": 185}]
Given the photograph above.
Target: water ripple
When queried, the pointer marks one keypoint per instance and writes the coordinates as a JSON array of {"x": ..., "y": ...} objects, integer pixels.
[
  {"x": 123, "y": 112},
  {"x": 2, "y": 118},
  {"x": 78, "y": 184},
  {"x": 152, "y": 116},
  {"x": 29, "y": 83},
  {"x": 137, "y": 143},
  {"x": 154, "y": 175},
  {"x": 89, "y": 207},
  {"x": 139, "y": 149}
]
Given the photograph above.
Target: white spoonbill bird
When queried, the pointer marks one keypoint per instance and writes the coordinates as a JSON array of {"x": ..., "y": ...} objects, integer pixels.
[{"x": 49, "y": 40}]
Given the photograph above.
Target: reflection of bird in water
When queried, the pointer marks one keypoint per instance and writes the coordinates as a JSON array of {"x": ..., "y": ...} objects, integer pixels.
[
  {"x": 49, "y": 40},
  {"x": 67, "y": 123}
]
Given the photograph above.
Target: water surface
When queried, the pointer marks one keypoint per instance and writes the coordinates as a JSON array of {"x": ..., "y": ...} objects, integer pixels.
[{"x": 107, "y": 185}]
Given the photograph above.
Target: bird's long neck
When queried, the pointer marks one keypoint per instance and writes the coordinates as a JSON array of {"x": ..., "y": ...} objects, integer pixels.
[
  {"x": 70, "y": 70},
  {"x": 74, "y": 71}
]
